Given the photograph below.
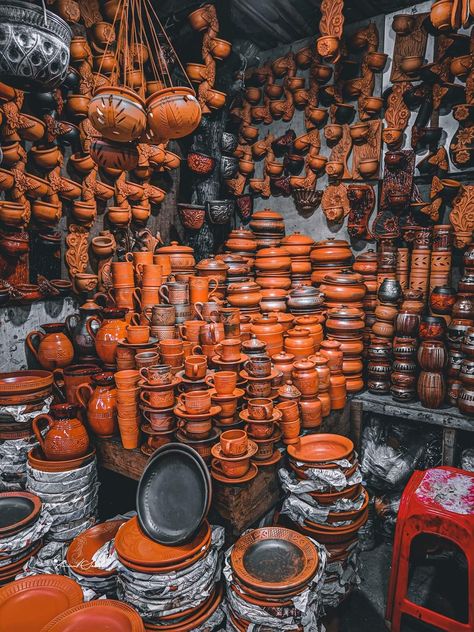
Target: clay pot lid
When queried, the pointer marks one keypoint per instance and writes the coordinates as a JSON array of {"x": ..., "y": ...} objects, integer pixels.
[
  {"x": 332, "y": 241},
  {"x": 86, "y": 544},
  {"x": 229, "y": 258},
  {"x": 305, "y": 290},
  {"x": 319, "y": 448},
  {"x": 283, "y": 357},
  {"x": 241, "y": 233},
  {"x": 90, "y": 306},
  {"x": 303, "y": 365},
  {"x": 330, "y": 344},
  {"x": 274, "y": 293},
  {"x": 103, "y": 613},
  {"x": 319, "y": 359},
  {"x": 30, "y": 603},
  {"x": 132, "y": 544},
  {"x": 289, "y": 391},
  {"x": 212, "y": 264},
  {"x": 368, "y": 255},
  {"x": 254, "y": 344},
  {"x": 297, "y": 239},
  {"x": 174, "y": 249},
  {"x": 298, "y": 331},
  {"x": 274, "y": 559},
  {"x": 267, "y": 213},
  {"x": 346, "y": 312},
  {"x": 17, "y": 511},
  {"x": 272, "y": 252},
  {"x": 345, "y": 277},
  {"x": 245, "y": 286}
]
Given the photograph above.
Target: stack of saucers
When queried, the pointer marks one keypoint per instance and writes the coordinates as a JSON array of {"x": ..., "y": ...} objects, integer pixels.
[
  {"x": 268, "y": 571},
  {"x": 22, "y": 529},
  {"x": 80, "y": 554},
  {"x": 68, "y": 490},
  {"x": 328, "y": 503}
]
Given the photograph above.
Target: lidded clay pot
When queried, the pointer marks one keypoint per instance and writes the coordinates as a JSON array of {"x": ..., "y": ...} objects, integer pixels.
[
  {"x": 269, "y": 330},
  {"x": 273, "y": 260},
  {"x": 298, "y": 244},
  {"x": 305, "y": 377},
  {"x": 345, "y": 322},
  {"x": 331, "y": 251},
  {"x": 245, "y": 294},
  {"x": 305, "y": 297},
  {"x": 366, "y": 263},
  {"x": 299, "y": 342},
  {"x": 313, "y": 325},
  {"x": 284, "y": 362},
  {"x": 182, "y": 257},
  {"x": 212, "y": 268},
  {"x": 345, "y": 286},
  {"x": 267, "y": 222}
]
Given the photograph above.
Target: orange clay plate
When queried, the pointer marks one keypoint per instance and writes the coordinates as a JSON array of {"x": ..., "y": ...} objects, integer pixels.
[
  {"x": 317, "y": 448},
  {"x": 84, "y": 546},
  {"x": 103, "y": 614}
]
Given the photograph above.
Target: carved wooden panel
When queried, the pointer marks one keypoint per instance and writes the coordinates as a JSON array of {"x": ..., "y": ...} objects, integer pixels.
[
  {"x": 411, "y": 45},
  {"x": 397, "y": 113},
  {"x": 335, "y": 203},
  {"x": 76, "y": 253},
  {"x": 362, "y": 203},
  {"x": 341, "y": 151},
  {"x": 371, "y": 149},
  {"x": 462, "y": 216}
]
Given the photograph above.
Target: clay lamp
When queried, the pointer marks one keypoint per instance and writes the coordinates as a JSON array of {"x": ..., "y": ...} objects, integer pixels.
[
  {"x": 411, "y": 64},
  {"x": 368, "y": 167},
  {"x": 392, "y": 137},
  {"x": 334, "y": 169},
  {"x": 376, "y": 61},
  {"x": 403, "y": 24},
  {"x": 333, "y": 133},
  {"x": 119, "y": 216},
  {"x": 372, "y": 105},
  {"x": 317, "y": 116},
  {"x": 317, "y": 163},
  {"x": 321, "y": 72},
  {"x": 359, "y": 132},
  {"x": 273, "y": 90}
]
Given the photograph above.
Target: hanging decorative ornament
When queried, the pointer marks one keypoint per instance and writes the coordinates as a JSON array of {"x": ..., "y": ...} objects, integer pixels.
[
  {"x": 172, "y": 113},
  {"x": 118, "y": 113}
]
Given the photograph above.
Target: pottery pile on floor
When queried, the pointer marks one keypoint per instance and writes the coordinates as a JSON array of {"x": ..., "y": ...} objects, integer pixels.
[
  {"x": 327, "y": 502},
  {"x": 267, "y": 571},
  {"x": 23, "y": 524}
]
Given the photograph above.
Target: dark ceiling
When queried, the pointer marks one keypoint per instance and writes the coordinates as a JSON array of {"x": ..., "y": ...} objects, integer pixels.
[{"x": 270, "y": 23}]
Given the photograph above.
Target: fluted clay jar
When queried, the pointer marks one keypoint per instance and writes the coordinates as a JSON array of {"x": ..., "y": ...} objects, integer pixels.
[
  {"x": 110, "y": 332},
  {"x": 54, "y": 349},
  {"x": 299, "y": 342},
  {"x": 431, "y": 389},
  {"x": 331, "y": 349},
  {"x": 268, "y": 330},
  {"x": 305, "y": 378},
  {"x": 99, "y": 400},
  {"x": 407, "y": 323},
  {"x": 66, "y": 437}
]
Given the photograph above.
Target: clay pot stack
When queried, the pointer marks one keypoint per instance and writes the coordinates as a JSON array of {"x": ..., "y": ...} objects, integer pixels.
[
  {"x": 346, "y": 325},
  {"x": 465, "y": 395},
  {"x": 269, "y": 331},
  {"x": 331, "y": 350},
  {"x": 330, "y": 255},
  {"x": 324, "y": 382},
  {"x": 404, "y": 366},
  {"x": 343, "y": 288},
  {"x": 379, "y": 366},
  {"x": 232, "y": 457},
  {"x": 421, "y": 261},
  {"x": 216, "y": 271},
  {"x": 306, "y": 379},
  {"x": 123, "y": 283},
  {"x": 268, "y": 228},
  {"x": 256, "y": 592},
  {"x": 226, "y": 395},
  {"x": 323, "y": 503},
  {"x": 157, "y": 398},
  {"x": 242, "y": 242},
  {"x": 128, "y": 413},
  {"x": 389, "y": 295},
  {"x": 299, "y": 246},
  {"x": 306, "y": 300},
  {"x": 432, "y": 357},
  {"x": 181, "y": 257},
  {"x": 366, "y": 265},
  {"x": 273, "y": 268}
]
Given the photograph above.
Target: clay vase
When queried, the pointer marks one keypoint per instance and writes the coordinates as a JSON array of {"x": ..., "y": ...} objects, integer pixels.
[
  {"x": 331, "y": 349},
  {"x": 66, "y": 437},
  {"x": 305, "y": 378},
  {"x": 431, "y": 389},
  {"x": 299, "y": 342},
  {"x": 432, "y": 355},
  {"x": 76, "y": 327},
  {"x": 99, "y": 400},
  {"x": 54, "y": 350},
  {"x": 268, "y": 330},
  {"x": 109, "y": 333}
]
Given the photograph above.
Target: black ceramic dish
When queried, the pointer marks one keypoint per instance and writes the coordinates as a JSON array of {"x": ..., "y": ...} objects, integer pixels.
[
  {"x": 173, "y": 495},
  {"x": 17, "y": 511}
]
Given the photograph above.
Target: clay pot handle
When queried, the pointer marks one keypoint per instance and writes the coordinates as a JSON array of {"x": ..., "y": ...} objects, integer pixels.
[
  {"x": 71, "y": 323},
  {"x": 83, "y": 401},
  {"x": 210, "y": 380},
  {"x": 197, "y": 350},
  {"x": 136, "y": 293},
  {"x": 144, "y": 373},
  {"x": 90, "y": 330},
  {"x": 182, "y": 331},
  {"x": 195, "y": 369},
  {"x": 59, "y": 386},
  {"x": 111, "y": 297},
  {"x": 213, "y": 332},
  {"x": 129, "y": 257},
  {"x": 181, "y": 424},
  {"x": 214, "y": 289},
  {"x": 144, "y": 396},
  {"x": 135, "y": 319},
  {"x": 36, "y": 429},
  {"x": 180, "y": 399},
  {"x": 30, "y": 344},
  {"x": 164, "y": 295},
  {"x": 145, "y": 312},
  {"x": 218, "y": 350},
  {"x": 198, "y": 309},
  {"x": 101, "y": 297}
]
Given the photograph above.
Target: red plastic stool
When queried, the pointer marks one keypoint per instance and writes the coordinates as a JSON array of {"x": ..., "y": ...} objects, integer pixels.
[{"x": 440, "y": 502}]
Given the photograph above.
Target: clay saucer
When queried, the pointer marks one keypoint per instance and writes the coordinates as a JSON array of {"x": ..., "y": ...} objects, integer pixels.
[
  {"x": 183, "y": 414},
  {"x": 28, "y": 604},
  {"x": 158, "y": 387},
  {"x": 237, "y": 394},
  {"x": 273, "y": 460},
  {"x": 17, "y": 563},
  {"x": 318, "y": 448},
  {"x": 18, "y": 510},
  {"x": 328, "y": 498},
  {"x": 236, "y": 425},
  {"x": 82, "y": 549},
  {"x": 217, "y": 453},
  {"x": 105, "y": 614},
  {"x": 333, "y": 535},
  {"x": 276, "y": 416},
  {"x": 166, "y": 569},
  {"x": 273, "y": 374},
  {"x": 37, "y": 461},
  {"x": 194, "y": 622},
  {"x": 140, "y": 345},
  {"x": 225, "y": 364},
  {"x": 186, "y": 380},
  {"x": 21, "y": 382},
  {"x": 26, "y": 398},
  {"x": 133, "y": 545},
  {"x": 187, "y": 614},
  {"x": 218, "y": 475},
  {"x": 272, "y": 396},
  {"x": 279, "y": 598},
  {"x": 274, "y": 559}
]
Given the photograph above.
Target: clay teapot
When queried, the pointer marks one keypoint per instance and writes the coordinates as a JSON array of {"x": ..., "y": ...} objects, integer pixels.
[
  {"x": 108, "y": 333},
  {"x": 99, "y": 400},
  {"x": 54, "y": 350},
  {"x": 77, "y": 330},
  {"x": 66, "y": 437}
]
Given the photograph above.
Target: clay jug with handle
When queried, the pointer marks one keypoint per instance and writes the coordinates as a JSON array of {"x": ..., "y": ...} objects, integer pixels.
[
  {"x": 66, "y": 438},
  {"x": 99, "y": 400},
  {"x": 51, "y": 347},
  {"x": 107, "y": 336}
]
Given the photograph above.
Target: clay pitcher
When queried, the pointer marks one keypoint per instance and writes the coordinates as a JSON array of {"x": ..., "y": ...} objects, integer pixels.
[
  {"x": 53, "y": 350},
  {"x": 77, "y": 330},
  {"x": 111, "y": 330},
  {"x": 99, "y": 400},
  {"x": 66, "y": 437}
]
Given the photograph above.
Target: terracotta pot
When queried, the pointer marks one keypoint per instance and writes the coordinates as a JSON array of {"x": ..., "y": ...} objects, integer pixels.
[
  {"x": 345, "y": 322},
  {"x": 110, "y": 331},
  {"x": 54, "y": 349},
  {"x": 305, "y": 378},
  {"x": 463, "y": 308},
  {"x": 305, "y": 298},
  {"x": 181, "y": 256},
  {"x": 407, "y": 323},
  {"x": 440, "y": 14},
  {"x": 331, "y": 350},
  {"x": 299, "y": 342},
  {"x": 331, "y": 251},
  {"x": 104, "y": 109},
  {"x": 343, "y": 286},
  {"x": 269, "y": 330},
  {"x": 311, "y": 413},
  {"x": 337, "y": 391},
  {"x": 99, "y": 400},
  {"x": 465, "y": 400},
  {"x": 283, "y": 362},
  {"x": 432, "y": 355},
  {"x": 66, "y": 437},
  {"x": 431, "y": 389},
  {"x": 172, "y": 113},
  {"x": 432, "y": 328}
]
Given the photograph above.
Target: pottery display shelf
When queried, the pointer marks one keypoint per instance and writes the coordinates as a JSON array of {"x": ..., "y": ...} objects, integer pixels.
[{"x": 448, "y": 418}]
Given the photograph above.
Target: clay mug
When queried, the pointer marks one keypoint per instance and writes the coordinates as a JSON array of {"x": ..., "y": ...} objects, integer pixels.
[
  {"x": 189, "y": 348},
  {"x": 146, "y": 359},
  {"x": 174, "y": 293},
  {"x": 228, "y": 404},
  {"x": 195, "y": 429},
  {"x": 196, "y": 402},
  {"x": 211, "y": 333},
  {"x": 234, "y": 468},
  {"x": 261, "y": 366},
  {"x": 184, "y": 312},
  {"x": 165, "y": 262},
  {"x": 159, "y": 399},
  {"x": 189, "y": 330},
  {"x": 173, "y": 359},
  {"x": 127, "y": 379},
  {"x": 230, "y": 317},
  {"x": 199, "y": 289},
  {"x": 125, "y": 358},
  {"x": 140, "y": 256},
  {"x": 122, "y": 274},
  {"x": 174, "y": 345},
  {"x": 138, "y": 334},
  {"x": 225, "y": 382},
  {"x": 229, "y": 350},
  {"x": 261, "y": 429},
  {"x": 123, "y": 297},
  {"x": 208, "y": 311},
  {"x": 159, "y": 420},
  {"x": 163, "y": 332},
  {"x": 289, "y": 411},
  {"x": 234, "y": 442},
  {"x": 260, "y": 408},
  {"x": 146, "y": 296},
  {"x": 160, "y": 314},
  {"x": 195, "y": 367},
  {"x": 259, "y": 389},
  {"x": 150, "y": 274},
  {"x": 157, "y": 374}
]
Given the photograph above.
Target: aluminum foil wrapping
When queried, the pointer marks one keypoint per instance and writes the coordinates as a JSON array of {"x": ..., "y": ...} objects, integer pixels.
[
  {"x": 66, "y": 478},
  {"x": 214, "y": 622},
  {"x": 322, "y": 483},
  {"x": 13, "y": 461},
  {"x": 341, "y": 577},
  {"x": 19, "y": 414},
  {"x": 305, "y": 611},
  {"x": 331, "y": 479},
  {"x": 26, "y": 537},
  {"x": 467, "y": 459},
  {"x": 155, "y": 595}
]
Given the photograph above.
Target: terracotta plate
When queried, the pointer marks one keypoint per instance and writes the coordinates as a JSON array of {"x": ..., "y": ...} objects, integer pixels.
[
  {"x": 26, "y": 398},
  {"x": 38, "y": 461},
  {"x": 181, "y": 412},
  {"x": 19, "y": 382},
  {"x": 104, "y": 614},
  {"x": 17, "y": 511},
  {"x": 140, "y": 345},
  {"x": 273, "y": 460},
  {"x": 244, "y": 415},
  {"x": 243, "y": 374},
  {"x": 217, "y": 452},
  {"x": 132, "y": 544},
  {"x": 29, "y": 604},
  {"x": 81, "y": 550},
  {"x": 316, "y": 448},
  {"x": 274, "y": 559}
]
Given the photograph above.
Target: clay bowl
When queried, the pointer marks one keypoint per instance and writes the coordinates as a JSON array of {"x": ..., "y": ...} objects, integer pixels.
[
  {"x": 373, "y": 105},
  {"x": 196, "y": 72},
  {"x": 317, "y": 163},
  {"x": 249, "y": 132},
  {"x": 119, "y": 216},
  {"x": 273, "y": 90},
  {"x": 45, "y": 212},
  {"x": 14, "y": 244},
  {"x": 460, "y": 66},
  {"x": 333, "y": 132},
  {"x": 220, "y": 49},
  {"x": 411, "y": 64},
  {"x": 84, "y": 212},
  {"x": 395, "y": 159},
  {"x": 392, "y": 136},
  {"x": 103, "y": 246},
  {"x": 321, "y": 72},
  {"x": 85, "y": 282},
  {"x": 359, "y": 132},
  {"x": 368, "y": 168},
  {"x": 317, "y": 116},
  {"x": 82, "y": 163},
  {"x": 12, "y": 213},
  {"x": 334, "y": 169},
  {"x": 215, "y": 99},
  {"x": 140, "y": 214},
  {"x": 403, "y": 24},
  {"x": 344, "y": 113},
  {"x": 45, "y": 157},
  {"x": 376, "y": 61}
]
